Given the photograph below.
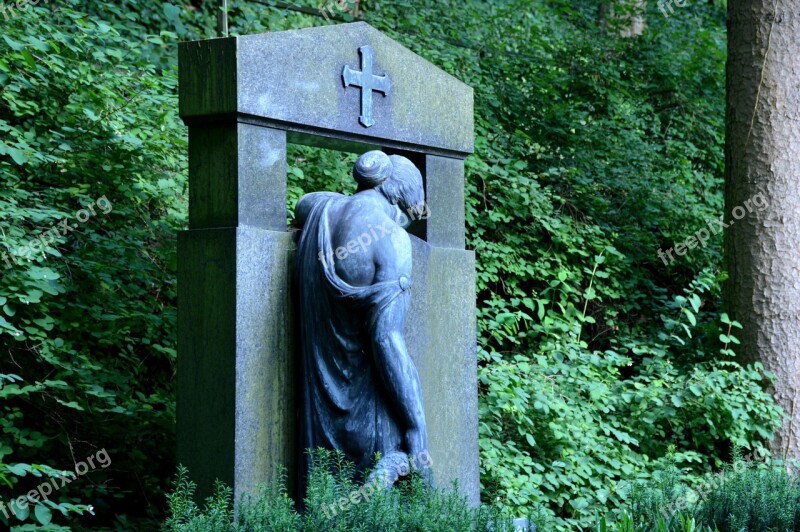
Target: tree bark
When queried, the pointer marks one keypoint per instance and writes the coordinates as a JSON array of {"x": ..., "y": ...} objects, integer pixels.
[
  {"x": 762, "y": 151},
  {"x": 626, "y": 18}
]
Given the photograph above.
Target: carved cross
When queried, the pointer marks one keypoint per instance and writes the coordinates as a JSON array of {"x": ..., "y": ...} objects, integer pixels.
[{"x": 368, "y": 83}]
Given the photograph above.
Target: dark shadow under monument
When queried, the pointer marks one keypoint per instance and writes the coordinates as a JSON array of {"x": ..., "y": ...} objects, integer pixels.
[{"x": 345, "y": 87}]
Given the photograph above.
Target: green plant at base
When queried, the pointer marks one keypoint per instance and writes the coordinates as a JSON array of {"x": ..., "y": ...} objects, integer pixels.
[
  {"x": 754, "y": 497},
  {"x": 410, "y": 506},
  {"x": 186, "y": 516},
  {"x": 744, "y": 496}
]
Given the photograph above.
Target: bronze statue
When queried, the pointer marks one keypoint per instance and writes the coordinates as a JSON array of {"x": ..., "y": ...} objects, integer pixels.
[{"x": 360, "y": 388}]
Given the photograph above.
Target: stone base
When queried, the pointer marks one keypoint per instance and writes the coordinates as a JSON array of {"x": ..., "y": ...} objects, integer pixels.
[
  {"x": 236, "y": 401},
  {"x": 441, "y": 337},
  {"x": 236, "y": 391}
]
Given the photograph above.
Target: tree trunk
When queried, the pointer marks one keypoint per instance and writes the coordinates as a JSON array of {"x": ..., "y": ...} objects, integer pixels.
[
  {"x": 626, "y": 18},
  {"x": 763, "y": 167}
]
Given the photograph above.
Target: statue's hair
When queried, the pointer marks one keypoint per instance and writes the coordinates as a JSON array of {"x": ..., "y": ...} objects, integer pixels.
[
  {"x": 394, "y": 176},
  {"x": 372, "y": 169},
  {"x": 404, "y": 187}
]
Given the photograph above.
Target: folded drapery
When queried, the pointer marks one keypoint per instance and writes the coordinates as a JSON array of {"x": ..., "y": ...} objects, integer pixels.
[{"x": 344, "y": 402}]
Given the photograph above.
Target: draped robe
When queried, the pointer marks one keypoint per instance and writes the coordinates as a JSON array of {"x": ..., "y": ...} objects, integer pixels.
[{"x": 344, "y": 403}]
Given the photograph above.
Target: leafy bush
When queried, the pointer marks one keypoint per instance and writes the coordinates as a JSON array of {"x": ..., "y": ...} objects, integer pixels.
[
  {"x": 409, "y": 506},
  {"x": 92, "y": 192},
  {"x": 744, "y": 496}
]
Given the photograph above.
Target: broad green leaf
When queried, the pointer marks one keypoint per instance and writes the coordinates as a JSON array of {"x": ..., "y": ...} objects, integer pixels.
[{"x": 43, "y": 514}]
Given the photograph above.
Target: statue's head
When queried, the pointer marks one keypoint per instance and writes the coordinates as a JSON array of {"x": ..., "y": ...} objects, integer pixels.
[{"x": 394, "y": 176}]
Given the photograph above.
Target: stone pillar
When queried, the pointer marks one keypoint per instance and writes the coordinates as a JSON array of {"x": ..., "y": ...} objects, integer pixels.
[{"x": 236, "y": 406}]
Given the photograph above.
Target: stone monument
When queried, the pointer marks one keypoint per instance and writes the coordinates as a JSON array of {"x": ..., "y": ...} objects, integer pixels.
[
  {"x": 346, "y": 87},
  {"x": 354, "y": 270}
]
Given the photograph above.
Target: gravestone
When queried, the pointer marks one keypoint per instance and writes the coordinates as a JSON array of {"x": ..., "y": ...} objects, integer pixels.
[{"x": 345, "y": 87}]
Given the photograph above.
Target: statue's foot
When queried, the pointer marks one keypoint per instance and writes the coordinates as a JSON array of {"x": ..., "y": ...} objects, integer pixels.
[
  {"x": 427, "y": 476},
  {"x": 389, "y": 469},
  {"x": 395, "y": 465}
]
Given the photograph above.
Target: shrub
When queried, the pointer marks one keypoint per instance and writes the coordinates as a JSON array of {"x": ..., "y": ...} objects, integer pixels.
[
  {"x": 744, "y": 496},
  {"x": 753, "y": 498},
  {"x": 409, "y": 506},
  {"x": 92, "y": 192}
]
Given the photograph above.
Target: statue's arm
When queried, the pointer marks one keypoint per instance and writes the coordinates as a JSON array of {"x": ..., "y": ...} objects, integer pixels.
[
  {"x": 398, "y": 374},
  {"x": 392, "y": 259}
]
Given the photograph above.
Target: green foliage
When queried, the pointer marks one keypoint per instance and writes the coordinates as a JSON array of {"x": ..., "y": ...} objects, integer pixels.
[
  {"x": 682, "y": 523},
  {"x": 592, "y": 152},
  {"x": 39, "y": 511},
  {"x": 185, "y": 515},
  {"x": 753, "y": 497},
  {"x": 654, "y": 504},
  {"x": 409, "y": 506},
  {"x": 567, "y": 426},
  {"x": 312, "y": 169},
  {"x": 87, "y": 320},
  {"x": 744, "y": 496}
]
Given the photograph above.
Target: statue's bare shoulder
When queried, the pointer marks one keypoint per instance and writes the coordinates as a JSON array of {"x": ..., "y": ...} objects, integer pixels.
[
  {"x": 306, "y": 203},
  {"x": 367, "y": 244},
  {"x": 379, "y": 249}
]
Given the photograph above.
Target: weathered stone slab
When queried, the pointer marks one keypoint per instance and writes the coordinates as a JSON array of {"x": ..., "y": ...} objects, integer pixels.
[
  {"x": 441, "y": 332},
  {"x": 238, "y": 176},
  {"x": 282, "y": 80},
  {"x": 444, "y": 192},
  {"x": 235, "y": 374}
]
